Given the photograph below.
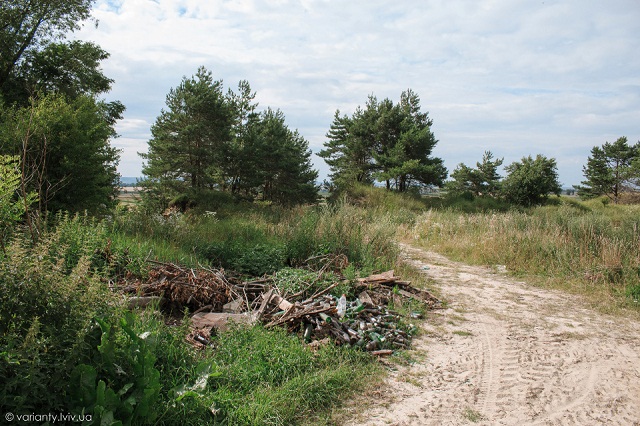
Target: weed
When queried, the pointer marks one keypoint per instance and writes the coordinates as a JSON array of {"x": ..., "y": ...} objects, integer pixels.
[
  {"x": 128, "y": 383},
  {"x": 472, "y": 415}
]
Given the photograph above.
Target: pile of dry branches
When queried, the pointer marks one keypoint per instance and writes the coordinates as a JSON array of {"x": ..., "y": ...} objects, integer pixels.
[{"x": 218, "y": 300}]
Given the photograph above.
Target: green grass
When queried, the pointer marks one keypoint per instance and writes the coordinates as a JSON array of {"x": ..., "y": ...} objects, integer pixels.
[{"x": 269, "y": 377}]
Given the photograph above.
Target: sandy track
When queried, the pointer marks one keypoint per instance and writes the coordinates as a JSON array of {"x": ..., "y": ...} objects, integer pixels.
[{"x": 505, "y": 353}]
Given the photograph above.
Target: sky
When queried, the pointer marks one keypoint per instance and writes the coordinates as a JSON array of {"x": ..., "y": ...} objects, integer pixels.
[{"x": 514, "y": 77}]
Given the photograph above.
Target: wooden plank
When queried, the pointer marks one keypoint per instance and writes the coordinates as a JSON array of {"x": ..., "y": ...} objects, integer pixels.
[{"x": 220, "y": 320}]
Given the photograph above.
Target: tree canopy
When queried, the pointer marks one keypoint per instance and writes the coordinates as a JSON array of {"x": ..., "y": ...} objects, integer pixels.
[
  {"x": 26, "y": 26},
  {"x": 384, "y": 142},
  {"x": 611, "y": 169},
  {"x": 206, "y": 140},
  {"x": 52, "y": 118}
]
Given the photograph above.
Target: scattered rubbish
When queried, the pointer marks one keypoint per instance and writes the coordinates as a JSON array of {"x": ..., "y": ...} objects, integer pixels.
[
  {"x": 218, "y": 301},
  {"x": 342, "y": 306}
]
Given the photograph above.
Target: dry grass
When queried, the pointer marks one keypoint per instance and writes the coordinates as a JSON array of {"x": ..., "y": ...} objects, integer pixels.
[{"x": 582, "y": 248}]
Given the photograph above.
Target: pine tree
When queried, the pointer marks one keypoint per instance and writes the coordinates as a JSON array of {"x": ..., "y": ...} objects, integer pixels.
[
  {"x": 240, "y": 162},
  {"x": 349, "y": 149},
  {"x": 190, "y": 136},
  {"x": 388, "y": 142},
  {"x": 611, "y": 170},
  {"x": 286, "y": 170}
]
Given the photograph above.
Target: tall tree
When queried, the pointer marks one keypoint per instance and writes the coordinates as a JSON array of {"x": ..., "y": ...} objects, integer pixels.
[
  {"x": 285, "y": 158},
  {"x": 611, "y": 170},
  {"x": 53, "y": 119},
  {"x": 411, "y": 155},
  {"x": 349, "y": 149},
  {"x": 207, "y": 141},
  {"x": 189, "y": 137},
  {"x": 388, "y": 151},
  {"x": 388, "y": 142},
  {"x": 240, "y": 165},
  {"x": 531, "y": 181},
  {"x": 28, "y": 25}
]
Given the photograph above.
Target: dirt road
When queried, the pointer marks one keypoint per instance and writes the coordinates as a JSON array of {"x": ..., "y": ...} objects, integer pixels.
[{"x": 505, "y": 353}]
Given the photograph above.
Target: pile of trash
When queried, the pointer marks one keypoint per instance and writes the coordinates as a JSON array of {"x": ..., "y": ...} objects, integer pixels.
[{"x": 218, "y": 300}]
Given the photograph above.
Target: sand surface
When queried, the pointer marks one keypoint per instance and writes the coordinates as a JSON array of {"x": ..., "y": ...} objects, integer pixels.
[{"x": 505, "y": 353}]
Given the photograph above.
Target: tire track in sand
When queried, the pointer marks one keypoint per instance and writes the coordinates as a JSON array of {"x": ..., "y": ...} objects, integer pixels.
[{"x": 505, "y": 353}]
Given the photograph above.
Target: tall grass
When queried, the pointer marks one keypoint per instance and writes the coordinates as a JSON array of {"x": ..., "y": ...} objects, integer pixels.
[
  {"x": 571, "y": 245},
  {"x": 265, "y": 239}
]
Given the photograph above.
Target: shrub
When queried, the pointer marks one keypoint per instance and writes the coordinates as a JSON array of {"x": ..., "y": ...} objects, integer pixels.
[
  {"x": 45, "y": 312},
  {"x": 530, "y": 181}
]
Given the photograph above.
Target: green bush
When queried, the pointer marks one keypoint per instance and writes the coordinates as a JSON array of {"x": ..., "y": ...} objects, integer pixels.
[
  {"x": 633, "y": 292},
  {"x": 45, "y": 312},
  {"x": 125, "y": 385},
  {"x": 246, "y": 258}
]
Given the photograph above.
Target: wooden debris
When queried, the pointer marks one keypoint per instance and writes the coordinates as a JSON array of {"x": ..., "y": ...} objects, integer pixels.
[
  {"x": 142, "y": 301},
  {"x": 234, "y": 307},
  {"x": 381, "y": 288},
  {"x": 220, "y": 300},
  {"x": 195, "y": 288},
  {"x": 219, "y": 320},
  {"x": 382, "y": 352}
]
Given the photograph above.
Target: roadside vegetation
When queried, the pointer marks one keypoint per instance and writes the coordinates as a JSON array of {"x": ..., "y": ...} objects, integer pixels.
[{"x": 591, "y": 248}]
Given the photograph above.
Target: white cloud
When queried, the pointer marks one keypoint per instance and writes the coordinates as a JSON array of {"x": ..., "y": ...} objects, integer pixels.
[{"x": 555, "y": 77}]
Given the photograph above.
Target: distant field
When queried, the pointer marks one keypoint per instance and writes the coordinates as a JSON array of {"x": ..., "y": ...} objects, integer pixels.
[{"x": 129, "y": 194}]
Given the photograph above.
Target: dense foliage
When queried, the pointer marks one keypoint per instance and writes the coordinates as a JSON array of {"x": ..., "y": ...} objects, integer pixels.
[
  {"x": 531, "y": 181},
  {"x": 14, "y": 201},
  {"x": 611, "y": 170},
  {"x": 384, "y": 142},
  {"x": 481, "y": 181},
  {"x": 28, "y": 26},
  {"x": 64, "y": 327},
  {"x": 208, "y": 141},
  {"x": 52, "y": 118},
  {"x": 528, "y": 182},
  {"x": 64, "y": 148}
]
